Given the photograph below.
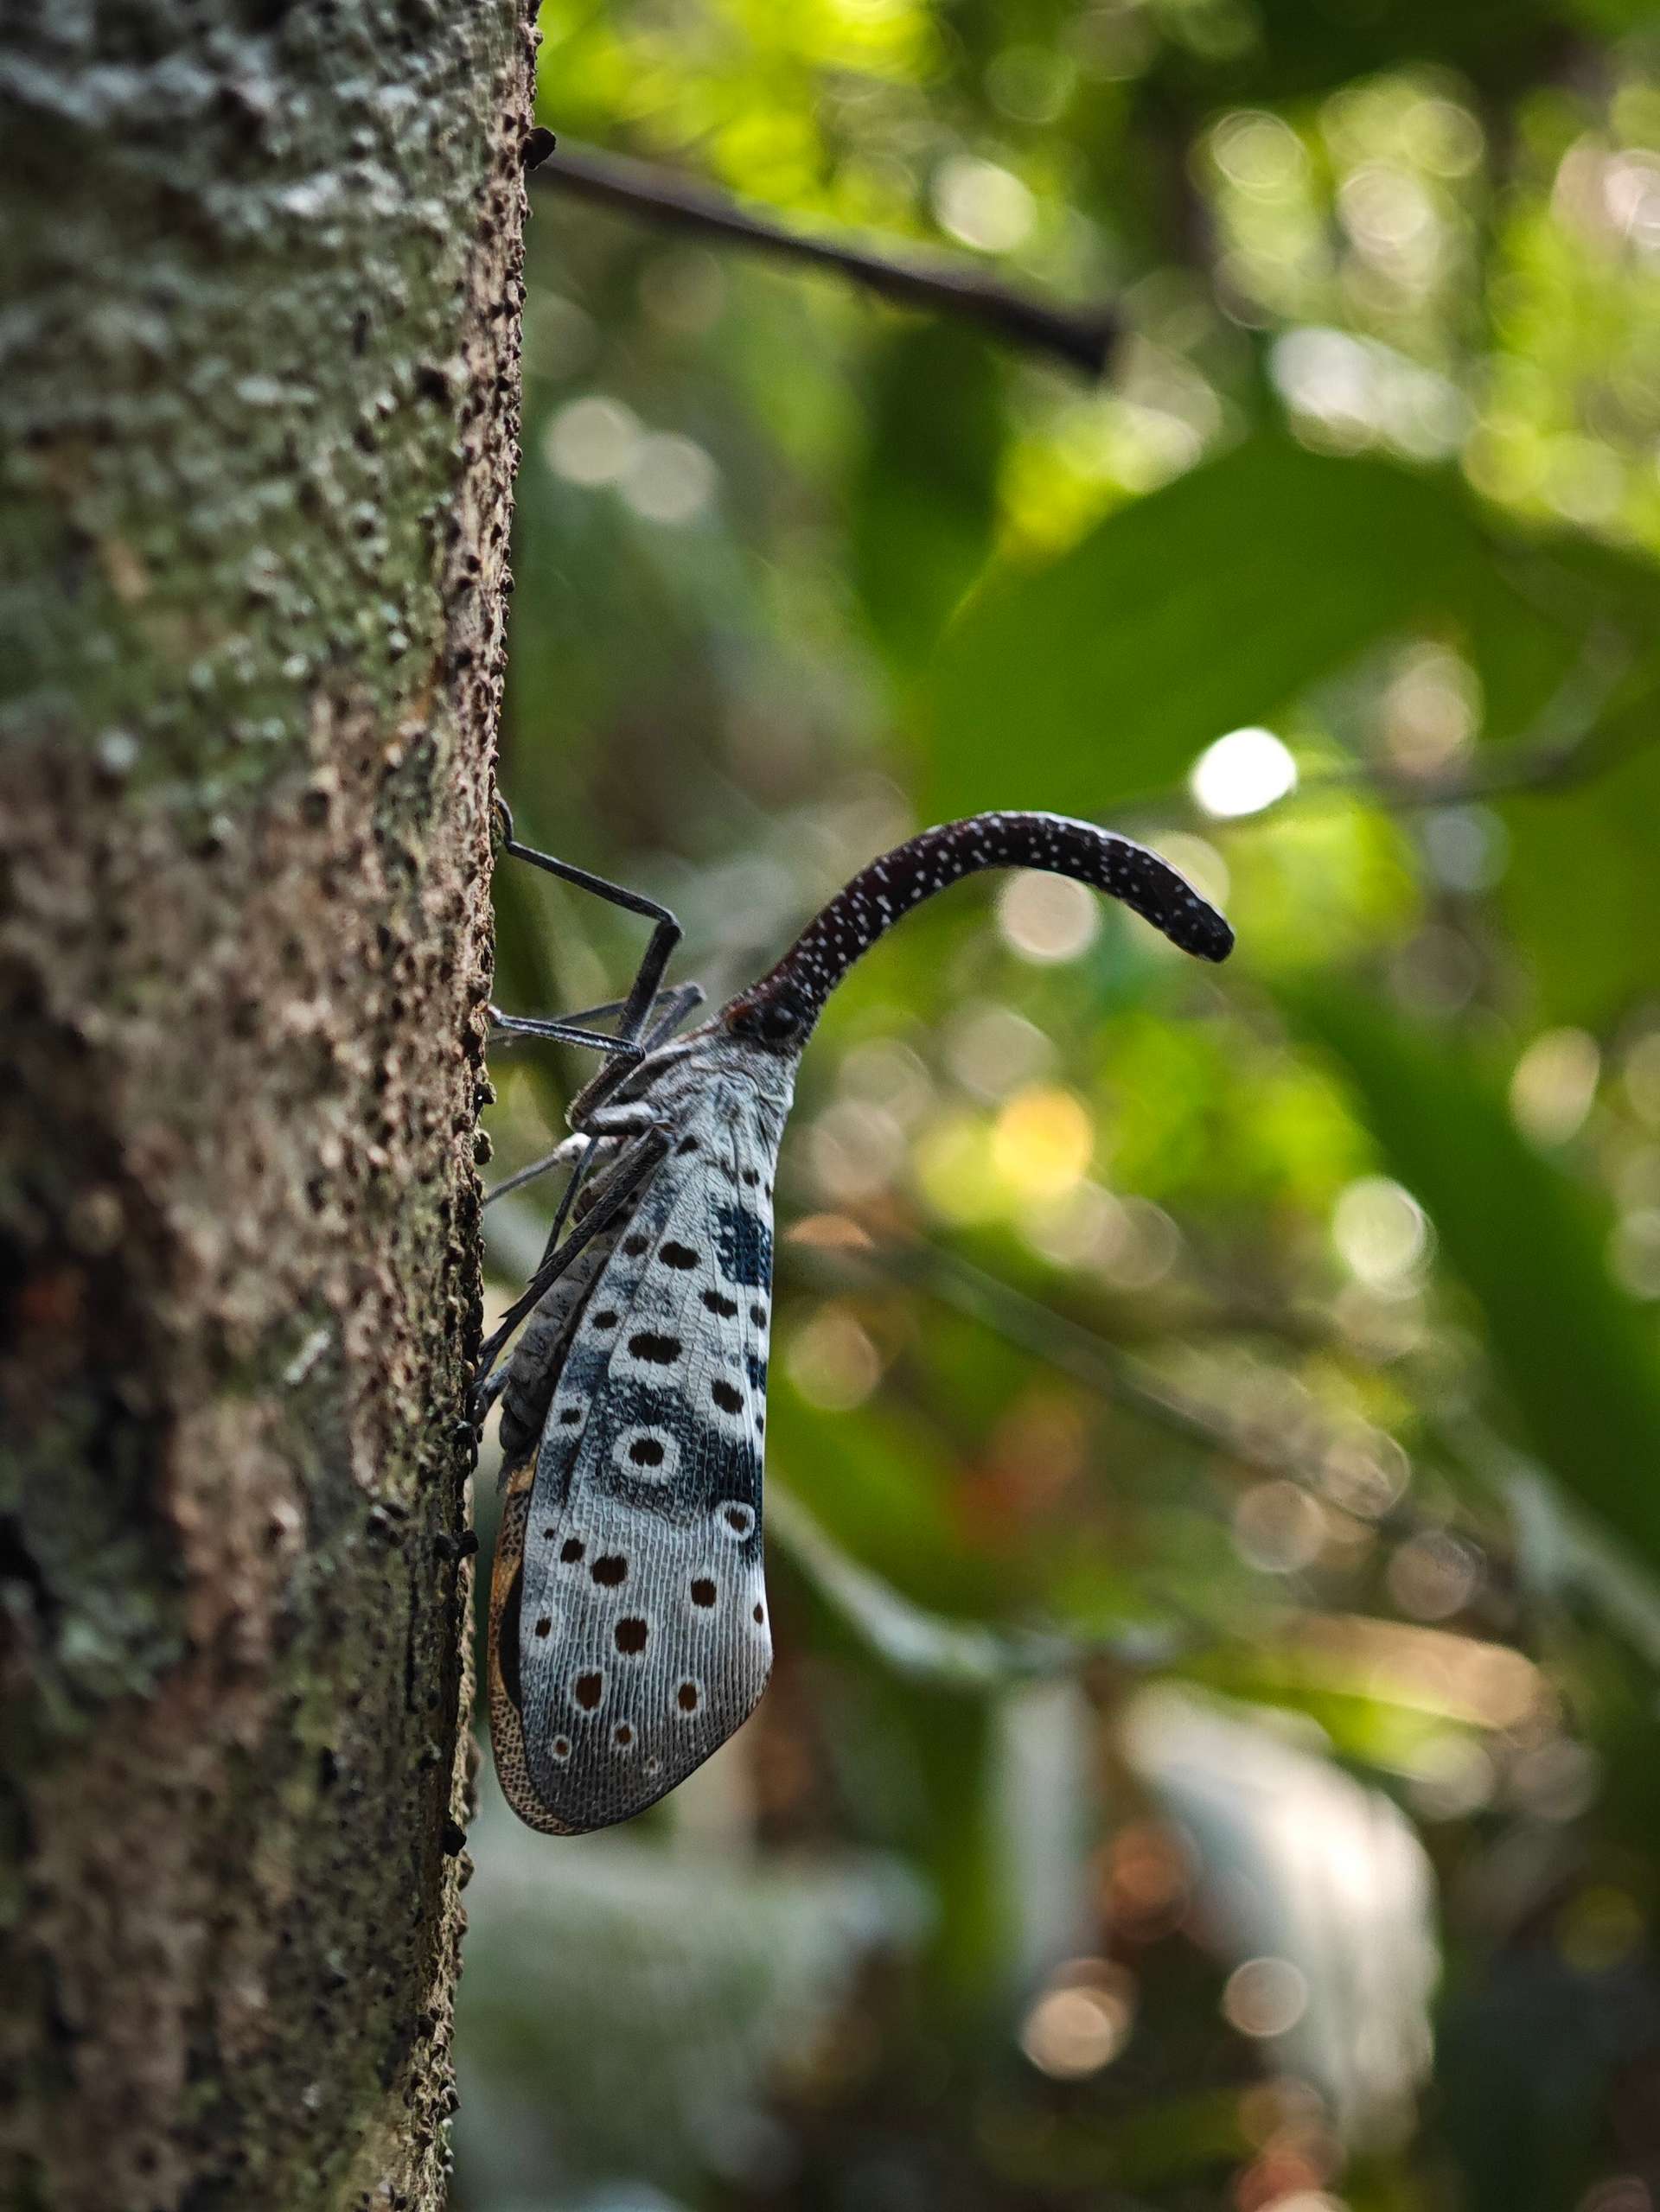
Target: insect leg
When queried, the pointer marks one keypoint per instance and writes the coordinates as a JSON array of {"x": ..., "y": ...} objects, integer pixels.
[
  {"x": 505, "y": 1026},
  {"x": 685, "y": 998},
  {"x": 603, "y": 1121},
  {"x": 630, "y": 1175},
  {"x": 671, "y": 1007},
  {"x": 562, "y": 1156},
  {"x": 665, "y": 935}
]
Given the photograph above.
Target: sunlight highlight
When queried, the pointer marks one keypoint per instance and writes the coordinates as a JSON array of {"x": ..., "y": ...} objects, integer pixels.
[
  {"x": 1241, "y": 774},
  {"x": 1042, "y": 1143}
]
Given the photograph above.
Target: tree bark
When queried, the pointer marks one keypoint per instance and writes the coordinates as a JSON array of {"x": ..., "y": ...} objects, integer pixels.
[{"x": 258, "y": 400}]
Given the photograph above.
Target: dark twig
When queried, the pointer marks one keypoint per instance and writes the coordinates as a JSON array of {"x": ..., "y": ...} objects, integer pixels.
[
  {"x": 1072, "y": 1350},
  {"x": 1083, "y": 338},
  {"x": 1552, "y": 764},
  {"x": 1603, "y": 714}
]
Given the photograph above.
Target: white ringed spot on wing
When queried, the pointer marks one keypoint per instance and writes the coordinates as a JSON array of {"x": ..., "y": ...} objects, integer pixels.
[
  {"x": 735, "y": 1519},
  {"x": 588, "y": 1691},
  {"x": 650, "y": 1453}
]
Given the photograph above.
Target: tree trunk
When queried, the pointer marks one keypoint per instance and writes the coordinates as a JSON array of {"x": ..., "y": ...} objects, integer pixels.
[{"x": 259, "y": 394}]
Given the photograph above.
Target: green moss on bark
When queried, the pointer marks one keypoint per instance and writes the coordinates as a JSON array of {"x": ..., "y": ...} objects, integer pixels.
[{"x": 235, "y": 275}]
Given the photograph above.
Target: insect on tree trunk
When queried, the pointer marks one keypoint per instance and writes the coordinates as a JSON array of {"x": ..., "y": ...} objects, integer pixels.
[{"x": 258, "y": 399}]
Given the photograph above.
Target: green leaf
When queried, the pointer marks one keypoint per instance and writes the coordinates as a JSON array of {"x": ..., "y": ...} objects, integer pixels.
[
  {"x": 1582, "y": 891},
  {"x": 1204, "y": 606},
  {"x": 925, "y": 494},
  {"x": 1571, "y": 1350}
]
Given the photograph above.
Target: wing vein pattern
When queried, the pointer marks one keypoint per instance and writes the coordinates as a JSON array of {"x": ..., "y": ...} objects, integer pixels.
[{"x": 643, "y": 1638}]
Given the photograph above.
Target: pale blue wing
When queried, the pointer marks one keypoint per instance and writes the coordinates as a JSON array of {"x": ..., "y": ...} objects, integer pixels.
[{"x": 645, "y": 1638}]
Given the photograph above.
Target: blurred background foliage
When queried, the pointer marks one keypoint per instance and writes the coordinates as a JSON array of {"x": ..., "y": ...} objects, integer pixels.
[{"x": 1214, "y": 1755}]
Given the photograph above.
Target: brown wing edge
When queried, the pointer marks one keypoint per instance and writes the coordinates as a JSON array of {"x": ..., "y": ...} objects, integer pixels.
[{"x": 507, "y": 1719}]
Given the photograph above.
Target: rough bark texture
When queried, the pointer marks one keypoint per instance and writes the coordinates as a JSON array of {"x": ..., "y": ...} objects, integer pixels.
[{"x": 259, "y": 388}]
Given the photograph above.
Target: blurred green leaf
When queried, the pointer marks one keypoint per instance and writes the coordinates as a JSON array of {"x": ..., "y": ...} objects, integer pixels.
[
  {"x": 943, "y": 1653},
  {"x": 1201, "y": 608},
  {"x": 1528, "y": 1242},
  {"x": 924, "y": 492},
  {"x": 1582, "y": 890}
]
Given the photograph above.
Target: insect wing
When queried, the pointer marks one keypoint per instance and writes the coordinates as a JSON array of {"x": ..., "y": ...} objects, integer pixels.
[{"x": 643, "y": 1638}]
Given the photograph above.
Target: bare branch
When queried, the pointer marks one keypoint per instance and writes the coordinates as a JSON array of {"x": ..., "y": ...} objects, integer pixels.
[
  {"x": 1072, "y": 1350},
  {"x": 1084, "y": 338},
  {"x": 1604, "y": 714}
]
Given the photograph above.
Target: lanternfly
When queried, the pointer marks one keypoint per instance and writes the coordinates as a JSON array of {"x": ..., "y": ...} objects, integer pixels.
[{"x": 629, "y": 1634}]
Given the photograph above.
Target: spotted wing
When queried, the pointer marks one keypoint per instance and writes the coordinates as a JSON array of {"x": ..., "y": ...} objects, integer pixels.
[{"x": 642, "y": 1634}]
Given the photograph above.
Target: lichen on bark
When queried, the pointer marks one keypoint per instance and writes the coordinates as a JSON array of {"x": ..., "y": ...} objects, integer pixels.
[{"x": 259, "y": 391}]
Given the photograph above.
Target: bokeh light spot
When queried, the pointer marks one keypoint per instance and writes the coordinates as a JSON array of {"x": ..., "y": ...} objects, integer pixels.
[
  {"x": 1555, "y": 1085},
  {"x": 1278, "y": 1527},
  {"x": 983, "y": 205},
  {"x": 1082, "y": 2022},
  {"x": 593, "y": 441},
  {"x": 856, "y": 1151},
  {"x": 1265, "y": 1997},
  {"x": 1381, "y": 1233},
  {"x": 1241, "y": 774},
  {"x": 991, "y": 1051},
  {"x": 1634, "y": 1252},
  {"x": 1451, "y": 1776},
  {"x": 1042, "y": 1142},
  {"x": 955, "y": 1171},
  {"x": 1433, "y": 1575},
  {"x": 669, "y": 480},
  {"x": 832, "y": 1360},
  {"x": 1047, "y": 918}
]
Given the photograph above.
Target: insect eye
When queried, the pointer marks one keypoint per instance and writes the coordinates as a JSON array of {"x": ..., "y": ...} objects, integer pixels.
[{"x": 773, "y": 1022}]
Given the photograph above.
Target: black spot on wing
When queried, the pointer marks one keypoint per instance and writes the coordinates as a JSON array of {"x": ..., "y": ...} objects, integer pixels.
[
  {"x": 757, "y": 1372},
  {"x": 745, "y": 1246},
  {"x": 659, "y": 1350}
]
